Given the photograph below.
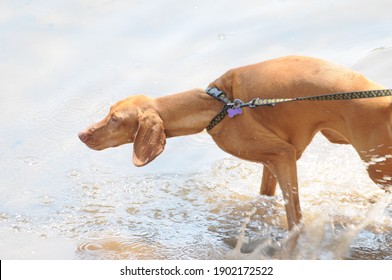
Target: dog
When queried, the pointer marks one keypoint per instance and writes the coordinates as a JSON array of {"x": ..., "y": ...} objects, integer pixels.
[{"x": 275, "y": 136}]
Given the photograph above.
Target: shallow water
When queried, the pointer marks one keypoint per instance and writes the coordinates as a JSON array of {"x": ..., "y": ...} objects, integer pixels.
[{"x": 63, "y": 63}]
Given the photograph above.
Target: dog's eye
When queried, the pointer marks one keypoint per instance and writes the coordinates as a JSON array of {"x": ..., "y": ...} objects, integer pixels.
[{"x": 114, "y": 119}]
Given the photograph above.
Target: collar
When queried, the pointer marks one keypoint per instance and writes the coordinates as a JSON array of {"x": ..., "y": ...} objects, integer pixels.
[
  {"x": 220, "y": 96},
  {"x": 233, "y": 108}
]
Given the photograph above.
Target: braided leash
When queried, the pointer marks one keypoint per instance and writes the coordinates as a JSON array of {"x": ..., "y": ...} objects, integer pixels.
[{"x": 234, "y": 108}]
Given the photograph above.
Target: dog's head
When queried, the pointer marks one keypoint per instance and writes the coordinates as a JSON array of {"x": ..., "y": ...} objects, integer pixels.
[{"x": 132, "y": 120}]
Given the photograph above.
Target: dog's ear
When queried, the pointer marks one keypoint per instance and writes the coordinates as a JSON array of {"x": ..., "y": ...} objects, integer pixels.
[{"x": 150, "y": 138}]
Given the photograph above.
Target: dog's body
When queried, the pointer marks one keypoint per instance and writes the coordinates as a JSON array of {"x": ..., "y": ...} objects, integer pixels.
[{"x": 274, "y": 136}]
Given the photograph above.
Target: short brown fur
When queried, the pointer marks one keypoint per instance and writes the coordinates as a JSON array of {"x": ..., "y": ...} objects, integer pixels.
[{"x": 274, "y": 136}]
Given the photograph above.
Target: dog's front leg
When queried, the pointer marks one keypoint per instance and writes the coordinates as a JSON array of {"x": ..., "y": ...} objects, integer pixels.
[{"x": 284, "y": 167}]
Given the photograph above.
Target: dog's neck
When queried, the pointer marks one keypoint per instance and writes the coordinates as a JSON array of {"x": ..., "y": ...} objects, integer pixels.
[{"x": 188, "y": 112}]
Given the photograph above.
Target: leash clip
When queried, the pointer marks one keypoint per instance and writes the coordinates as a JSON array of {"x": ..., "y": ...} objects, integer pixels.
[{"x": 252, "y": 104}]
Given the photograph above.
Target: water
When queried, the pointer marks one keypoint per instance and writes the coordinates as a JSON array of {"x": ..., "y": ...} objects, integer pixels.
[{"x": 63, "y": 63}]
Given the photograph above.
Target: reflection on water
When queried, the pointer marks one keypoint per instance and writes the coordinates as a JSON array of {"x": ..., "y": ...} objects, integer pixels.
[{"x": 61, "y": 72}]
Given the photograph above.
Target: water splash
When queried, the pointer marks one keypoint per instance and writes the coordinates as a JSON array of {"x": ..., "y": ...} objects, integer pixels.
[{"x": 323, "y": 238}]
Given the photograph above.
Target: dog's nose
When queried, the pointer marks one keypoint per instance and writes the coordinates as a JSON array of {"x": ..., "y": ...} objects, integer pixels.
[{"x": 83, "y": 136}]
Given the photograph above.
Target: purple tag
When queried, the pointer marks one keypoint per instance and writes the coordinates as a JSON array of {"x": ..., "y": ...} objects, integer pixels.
[{"x": 234, "y": 111}]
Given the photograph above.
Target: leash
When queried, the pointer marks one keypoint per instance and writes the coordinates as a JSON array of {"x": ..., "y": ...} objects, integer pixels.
[{"x": 233, "y": 108}]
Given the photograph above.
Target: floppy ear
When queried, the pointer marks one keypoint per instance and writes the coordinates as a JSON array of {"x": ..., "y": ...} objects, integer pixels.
[{"x": 150, "y": 139}]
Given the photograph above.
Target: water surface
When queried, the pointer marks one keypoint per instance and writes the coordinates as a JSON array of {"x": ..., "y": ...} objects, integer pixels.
[{"x": 63, "y": 63}]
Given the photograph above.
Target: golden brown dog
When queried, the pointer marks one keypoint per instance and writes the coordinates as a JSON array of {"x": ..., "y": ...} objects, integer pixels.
[{"x": 274, "y": 136}]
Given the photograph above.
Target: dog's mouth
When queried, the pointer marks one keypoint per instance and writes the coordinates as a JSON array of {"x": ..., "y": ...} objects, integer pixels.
[
  {"x": 95, "y": 146},
  {"x": 99, "y": 144},
  {"x": 90, "y": 141}
]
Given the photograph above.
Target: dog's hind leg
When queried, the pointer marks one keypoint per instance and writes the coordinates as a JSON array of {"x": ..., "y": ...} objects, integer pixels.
[
  {"x": 375, "y": 149},
  {"x": 268, "y": 183},
  {"x": 379, "y": 167}
]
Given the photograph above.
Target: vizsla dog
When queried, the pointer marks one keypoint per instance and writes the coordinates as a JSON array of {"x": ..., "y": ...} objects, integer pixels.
[{"x": 275, "y": 136}]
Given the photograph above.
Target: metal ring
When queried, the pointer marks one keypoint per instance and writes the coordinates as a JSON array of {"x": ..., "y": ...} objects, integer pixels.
[{"x": 237, "y": 103}]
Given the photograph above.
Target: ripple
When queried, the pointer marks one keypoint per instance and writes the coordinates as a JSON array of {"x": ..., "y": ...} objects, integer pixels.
[
  {"x": 132, "y": 210},
  {"x": 142, "y": 231},
  {"x": 39, "y": 119},
  {"x": 30, "y": 160},
  {"x": 55, "y": 134},
  {"x": 98, "y": 208},
  {"x": 46, "y": 200},
  {"x": 67, "y": 119},
  {"x": 191, "y": 251},
  {"x": 118, "y": 248},
  {"x": 13, "y": 170},
  {"x": 89, "y": 246},
  {"x": 75, "y": 103}
]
